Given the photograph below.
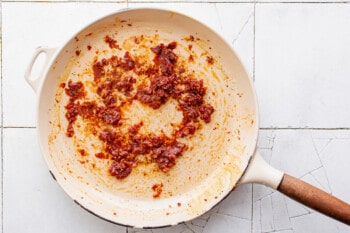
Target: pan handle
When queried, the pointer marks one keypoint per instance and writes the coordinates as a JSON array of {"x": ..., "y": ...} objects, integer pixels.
[
  {"x": 259, "y": 171},
  {"x": 34, "y": 82},
  {"x": 315, "y": 198}
]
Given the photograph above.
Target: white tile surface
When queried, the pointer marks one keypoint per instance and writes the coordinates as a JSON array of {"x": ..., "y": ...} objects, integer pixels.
[
  {"x": 33, "y": 202},
  {"x": 297, "y": 149},
  {"x": 238, "y": 204},
  {"x": 334, "y": 159},
  {"x": 256, "y": 226},
  {"x": 302, "y": 1},
  {"x": 234, "y": 22},
  {"x": 299, "y": 55},
  {"x": 266, "y": 215},
  {"x": 295, "y": 209},
  {"x": 302, "y": 65},
  {"x": 222, "y": 224},
  {"x": 293, "y": 151},
  {"x": 48, "y": 24},
  {"x": 246, "y": 1},
  {"x": 321, "y": 178},
  {"x": 316, "y": 223},
  {"x": 1, "y": 118},
  {"x": 1, "y": 185},
  {"x": 237, "y": 27},
  {"x": 204, "y": 12},
  {"x": 281, "y": 219}
]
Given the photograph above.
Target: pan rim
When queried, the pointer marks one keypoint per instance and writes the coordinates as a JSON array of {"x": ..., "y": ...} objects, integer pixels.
[{"x": 59, "y": 50}]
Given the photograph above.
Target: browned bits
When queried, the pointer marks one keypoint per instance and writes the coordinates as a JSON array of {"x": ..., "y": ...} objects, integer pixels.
[
  {"x": 210, "y": 60},
  {"x": 166, "y": 154},
  {"x": 82, "y": 161},
  {"x": 138, "y": 39},
  {"x": 121, "y": 169},
  {"x": 157, "y": 189},
  {"x": 110, "y": 115},
  {"x": 205, "y": 112},
  {"x": 101, "y": 155},
  {"x": 113, "y": 44},
  {"x": 74, "y": 91},
  {"x": 128, "y": 62},
  {"x": 165, "y": 59},
  {"x": 98, "y": 68},
  {"x": 82, "y": 152},
  {"x": 115, "y": 79},
  {"x": 186, "y": 129}
]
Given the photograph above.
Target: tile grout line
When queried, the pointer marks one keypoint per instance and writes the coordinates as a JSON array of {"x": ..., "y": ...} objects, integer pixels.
[
  {"x": 238, "y": 2},
  {"x": 252, "y": 209},
  {"x": 304, "y": 128},
  {"x": 2, "y": 124},
  {"x": 184, "y": 1},
  {"x": 19, "y": 127}
]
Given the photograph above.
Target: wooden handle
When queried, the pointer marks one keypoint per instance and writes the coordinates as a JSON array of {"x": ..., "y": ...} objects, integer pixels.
[{"x": 315, "y": 198}]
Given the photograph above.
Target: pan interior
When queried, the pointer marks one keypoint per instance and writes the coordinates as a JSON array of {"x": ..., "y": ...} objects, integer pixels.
[{"x": 217, "y": 153}]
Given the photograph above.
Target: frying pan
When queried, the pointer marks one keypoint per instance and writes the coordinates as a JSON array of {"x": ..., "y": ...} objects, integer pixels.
[{"x": 222, "y": 153}]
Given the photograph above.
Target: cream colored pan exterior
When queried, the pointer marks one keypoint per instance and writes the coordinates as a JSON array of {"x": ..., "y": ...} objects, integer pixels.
[{"x": 219, "y": 152}]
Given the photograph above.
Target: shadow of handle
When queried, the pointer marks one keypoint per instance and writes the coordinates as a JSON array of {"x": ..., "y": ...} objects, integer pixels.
[{"x": 315, "y": 198}]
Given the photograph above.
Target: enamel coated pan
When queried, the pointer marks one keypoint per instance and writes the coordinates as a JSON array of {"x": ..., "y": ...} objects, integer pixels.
[{"x": 222, "y": 153}]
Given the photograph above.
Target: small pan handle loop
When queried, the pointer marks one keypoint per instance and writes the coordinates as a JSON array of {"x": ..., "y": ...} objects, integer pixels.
[{"x": 34, "y": 82}]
